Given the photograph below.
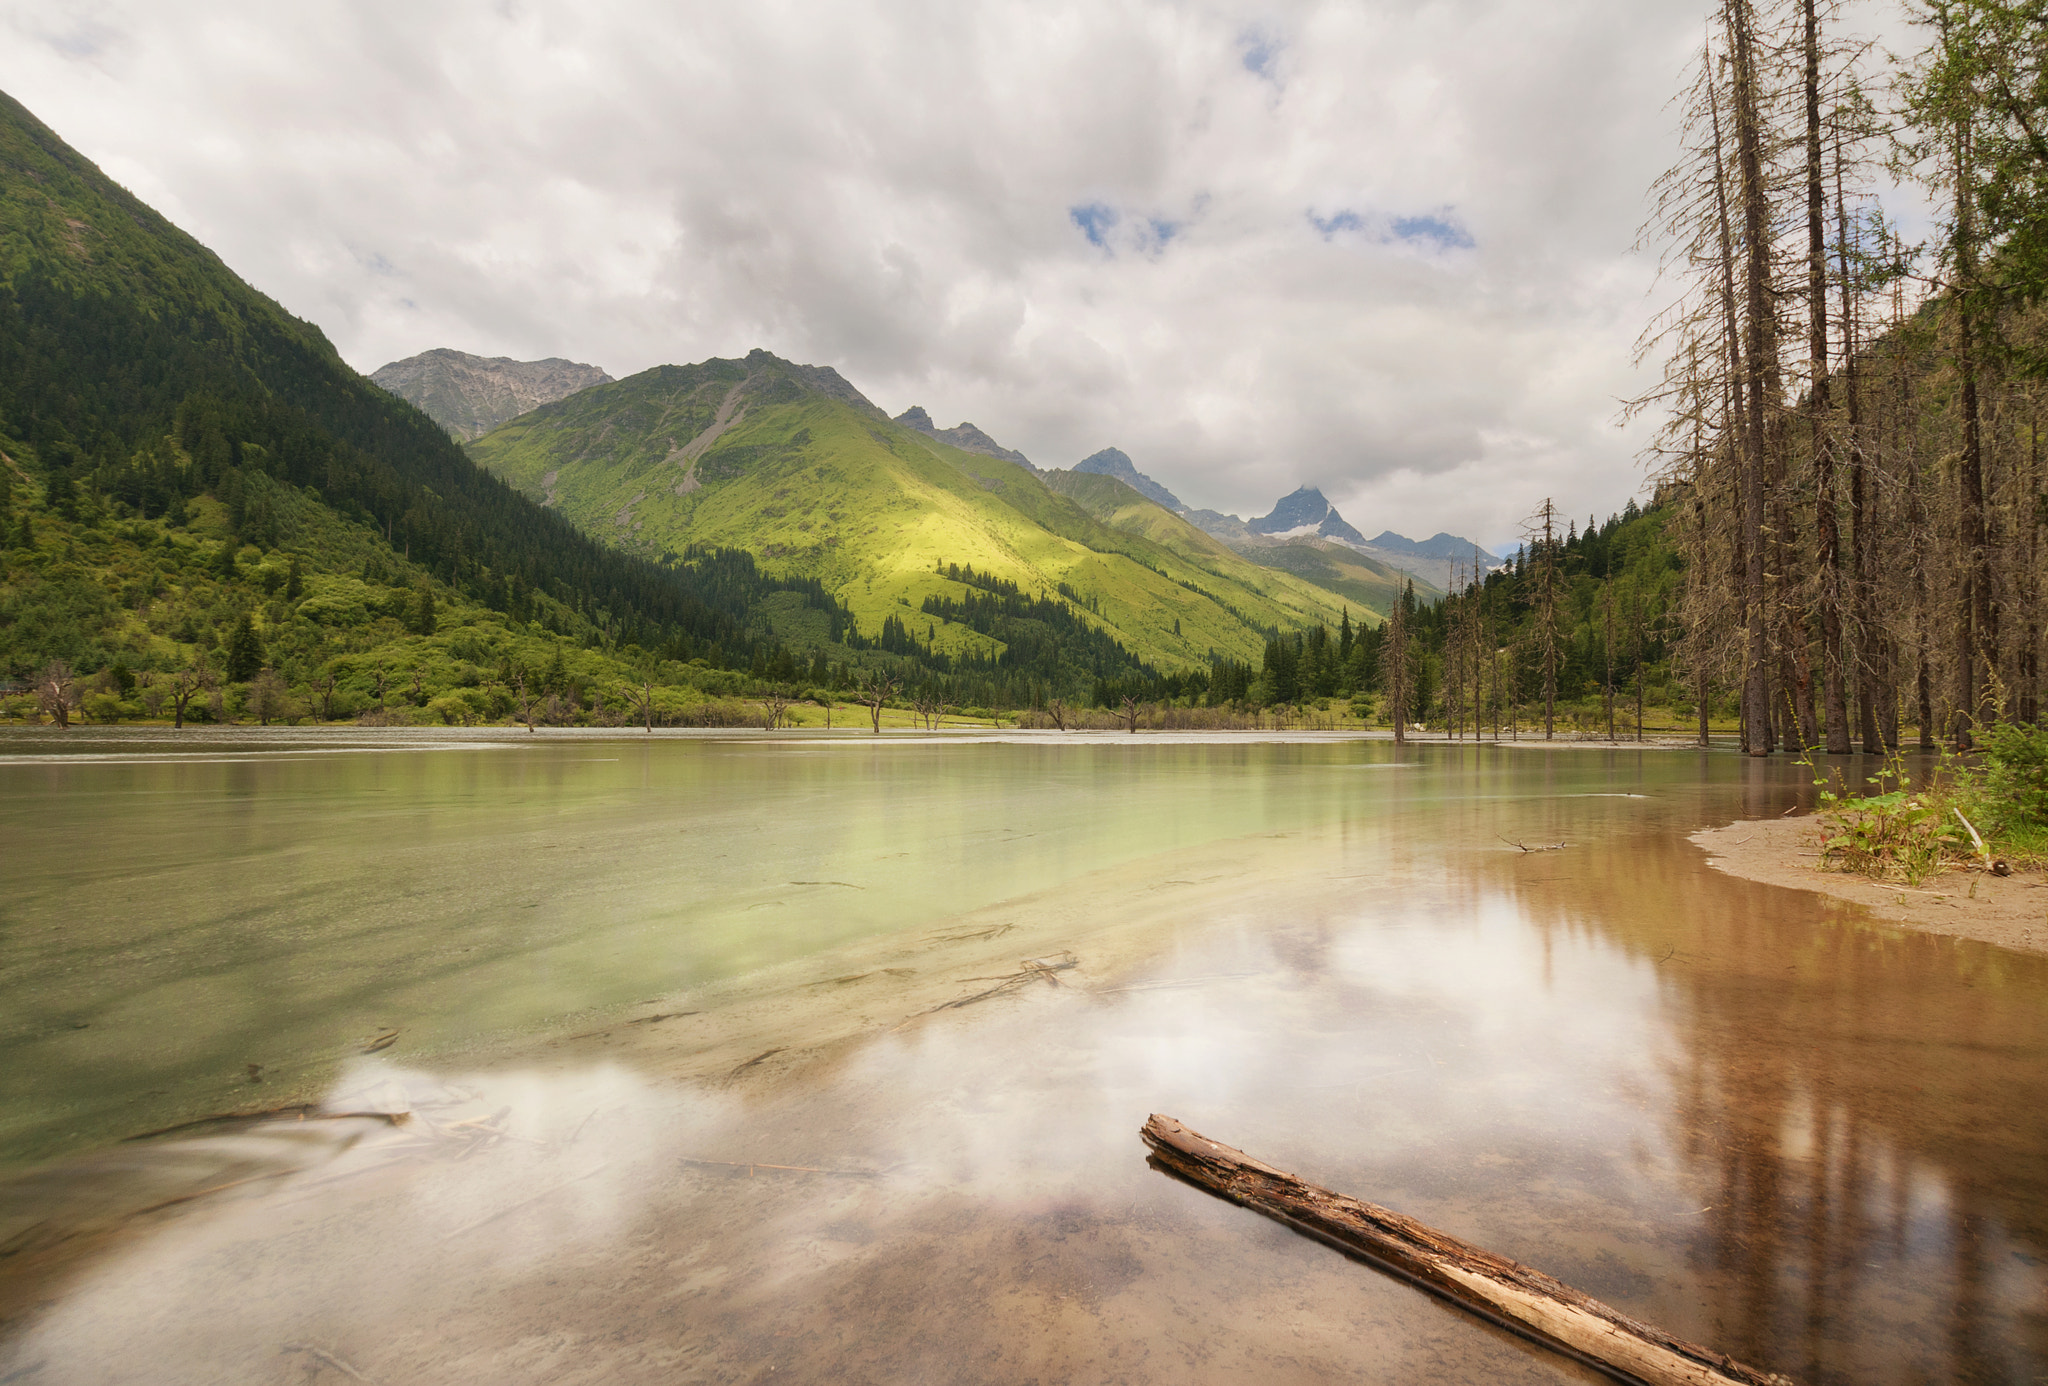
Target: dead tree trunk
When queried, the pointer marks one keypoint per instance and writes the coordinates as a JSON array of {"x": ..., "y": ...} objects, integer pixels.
[
  {"x": 1756, "y": 238},
  {"x": 1827, "y": 538},
  {"x": 1873, "y": 673},
  {"x": 1513, "y": 1296},
  {"x": 1394, "y": 666},
  {"x": 1974, "y": 635},
  {"x": 1736, "y": 402}
]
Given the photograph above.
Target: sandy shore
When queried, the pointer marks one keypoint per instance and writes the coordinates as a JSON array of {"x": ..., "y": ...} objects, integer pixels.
[{"x": 2010, "y": 911}]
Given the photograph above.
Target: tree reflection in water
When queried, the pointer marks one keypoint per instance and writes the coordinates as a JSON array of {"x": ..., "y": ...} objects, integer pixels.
[{"x": 1865, "y": 1110}]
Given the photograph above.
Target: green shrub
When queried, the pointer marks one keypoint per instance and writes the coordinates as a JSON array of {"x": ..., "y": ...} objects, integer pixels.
[
  {"x": 1900, "y": 836},
  {"x": 2012, "y": 785}
]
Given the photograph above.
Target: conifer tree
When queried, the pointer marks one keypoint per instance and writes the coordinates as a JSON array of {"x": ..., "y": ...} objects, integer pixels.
[
  {"x": 244, "y": 650},
  {"x": 423, "y": 618}
]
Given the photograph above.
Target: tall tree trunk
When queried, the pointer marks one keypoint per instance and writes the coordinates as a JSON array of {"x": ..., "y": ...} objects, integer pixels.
[
  {"x": 1756, "y": 691},
  {"x": 1734, "y": 403},
  {"x": 2030, "y": 526},
  {"x": 1916, "y": 524},
  {"x": 1974, "y": 635},
  {"x": 1394, "y": 666},
  {"x": 1609, "y": 643},
  {"x": 1818, "y": 403},
  {"x": 1870, "y": 663}
]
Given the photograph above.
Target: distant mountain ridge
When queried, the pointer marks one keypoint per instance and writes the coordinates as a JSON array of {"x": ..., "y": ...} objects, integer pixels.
[
  {"x": 471, "y": 395},
  {"x": 1113, "y": 462},
  {"x": 964, "y": 436},
  {"x": 1447, "y": 547},
  {"x": 1303, "y": 517}
]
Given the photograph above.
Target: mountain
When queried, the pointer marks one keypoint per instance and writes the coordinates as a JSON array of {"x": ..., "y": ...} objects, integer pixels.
[
  {"x": 1112, "y": 462},
  {"x": 1448, "y": 548},
  {"x": 1444, "y": 561},
  {"x": 792, "y": 464},
  {"x": 964, "y": 436},
  {"x": 1366, "y": 587},
  {"x": 157, "y": 411},
  {"x": 1306, "y": 517},
  {"x": 1304, "y": 512},
  {"x": 471, "y": 395},
  {"x": 1304, "y": 536}
]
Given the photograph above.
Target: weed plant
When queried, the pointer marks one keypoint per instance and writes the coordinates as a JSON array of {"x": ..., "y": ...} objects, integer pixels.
[{"x": 1990, "y": 811}]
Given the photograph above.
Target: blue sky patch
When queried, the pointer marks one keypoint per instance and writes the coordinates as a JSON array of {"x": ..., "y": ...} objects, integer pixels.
[
  {"x": 1259, "y": 53},
  {"x": 1446, "y": 234},
  {"x": 1337, "y": 221},
  {"x": 1430, "y": 231},
  {"x": 1096, "y": 220}
]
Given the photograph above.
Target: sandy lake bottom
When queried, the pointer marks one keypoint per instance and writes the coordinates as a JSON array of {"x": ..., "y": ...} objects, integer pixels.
[{"x": 673, "y": 1092}]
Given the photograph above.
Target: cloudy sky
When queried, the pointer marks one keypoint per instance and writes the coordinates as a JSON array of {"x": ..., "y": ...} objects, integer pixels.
[{"x": 1380, "y": 247}]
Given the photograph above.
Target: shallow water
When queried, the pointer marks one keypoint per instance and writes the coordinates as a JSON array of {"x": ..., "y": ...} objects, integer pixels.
[{"x": 1735, "y": 1112}]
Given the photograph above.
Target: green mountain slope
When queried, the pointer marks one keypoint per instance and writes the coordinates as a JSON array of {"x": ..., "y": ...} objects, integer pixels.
[
  {"x": 792, "y": 464},
  {"x": 135, "y": 365}
]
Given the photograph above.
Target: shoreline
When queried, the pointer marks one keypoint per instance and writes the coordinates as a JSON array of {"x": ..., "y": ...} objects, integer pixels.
[
  {"x": 238, "y": 736},
  {"x": 2008, "y": 912}
]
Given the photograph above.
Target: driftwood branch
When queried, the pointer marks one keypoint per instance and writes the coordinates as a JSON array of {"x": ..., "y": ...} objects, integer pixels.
[
  {"x": 1032, "y": 969},
  {"x": 300, "y": 1111},
  {"x": 1516, "y": 1297}
]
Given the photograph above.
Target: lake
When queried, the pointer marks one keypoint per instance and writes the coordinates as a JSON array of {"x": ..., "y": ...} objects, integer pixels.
[{"x": 663, "y": 1016}]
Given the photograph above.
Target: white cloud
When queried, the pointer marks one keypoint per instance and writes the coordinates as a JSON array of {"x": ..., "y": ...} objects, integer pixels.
[{"x": 1381, "y": 249}]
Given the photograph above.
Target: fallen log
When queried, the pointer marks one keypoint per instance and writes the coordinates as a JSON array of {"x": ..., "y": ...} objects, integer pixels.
[{"x": 1504, "y": 1292}]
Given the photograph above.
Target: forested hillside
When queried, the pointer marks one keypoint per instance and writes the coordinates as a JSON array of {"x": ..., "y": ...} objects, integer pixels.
[
  {"x": 140, "y": 377},
  {"x": 1851, "y": 423}
]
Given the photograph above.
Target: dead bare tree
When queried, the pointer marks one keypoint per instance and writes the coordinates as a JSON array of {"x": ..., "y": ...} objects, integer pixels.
[
  {"x": 526, "y": 705},
  {"x": 641, "y": 701},
  {"x": 57, "y": 692},
  {"x": 875, "y": 689},
  {"x": 1542, "y": 577},
  {"x": 185, "y": 685}
]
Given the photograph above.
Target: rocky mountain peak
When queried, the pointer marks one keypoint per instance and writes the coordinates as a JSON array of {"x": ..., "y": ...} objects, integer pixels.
[
  {"x": 1306, "y": 511},
  {"x": 1115, "y": 463},
  {"x": 471, "y": 395}
]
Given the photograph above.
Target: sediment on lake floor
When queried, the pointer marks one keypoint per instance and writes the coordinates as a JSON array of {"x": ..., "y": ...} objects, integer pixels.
[{"x": 1962, "y": 902}]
